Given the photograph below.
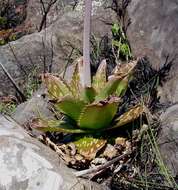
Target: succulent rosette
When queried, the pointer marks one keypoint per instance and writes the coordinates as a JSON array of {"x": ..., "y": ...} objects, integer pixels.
[{"x": 89, "y": 109}]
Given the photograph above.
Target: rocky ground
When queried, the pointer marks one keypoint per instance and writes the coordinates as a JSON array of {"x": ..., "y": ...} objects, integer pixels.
[{"x": 153, "y": 32}]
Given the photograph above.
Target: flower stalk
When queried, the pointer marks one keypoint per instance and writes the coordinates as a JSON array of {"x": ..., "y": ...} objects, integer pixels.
[{"x": 86, "y": 44}]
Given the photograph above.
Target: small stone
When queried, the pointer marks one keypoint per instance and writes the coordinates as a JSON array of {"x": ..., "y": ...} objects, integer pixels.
[
  {"x": 78, "y": 157},
  {"x": 110, "y": 152},
  {"x": 67, "y": 159},
  {"x": 73, "y": 148},
  {"x": 73, "y": 162},
  {"x": 128, "y": 145},
  {"x": 120, "y": 141},
  {"x": 98, "y": 161}
]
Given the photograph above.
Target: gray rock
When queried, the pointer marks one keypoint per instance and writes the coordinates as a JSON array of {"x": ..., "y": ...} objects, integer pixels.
[
  {"x": 57, "y": 10},
  {"x": 168, "y": 138},
  {"x": 37, "y": 104},
  {"x": 37, "y": 153},
  {"x": 35, "y": 13},
  {"x": 27, "y": 164},
  {"x": 154, "y": 32},
  {"x": 31, "y": 109}
]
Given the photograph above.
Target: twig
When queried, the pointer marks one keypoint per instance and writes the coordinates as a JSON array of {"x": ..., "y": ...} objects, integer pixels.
[
  {"x": 44, "y": 53},
  {"x": 75, "y": 4},
  {"x": 101, "y": 167},
  {"x": 53, "y": 146},
  {"x": 23, "y": 98},
  {"x": 52, "y": 55},
  {"x": 73, "y": 46},
  {"x": 45, "y": 12},
  {"x": 17, "y": 61}
]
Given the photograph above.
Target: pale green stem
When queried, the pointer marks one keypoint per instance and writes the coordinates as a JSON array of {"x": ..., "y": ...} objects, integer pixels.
[{"x": 86, "y": 44}]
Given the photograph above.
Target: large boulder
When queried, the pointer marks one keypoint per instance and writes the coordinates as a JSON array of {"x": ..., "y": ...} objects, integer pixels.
[
  {"x": 31, "y": 108},
  {"x": 35, "y": 12},
  {"x": 38, "y": 103},
  {"x": 154, "y": 32},
  {"x": 168, "y": 138},
  {"x": 28, "y": 164}
]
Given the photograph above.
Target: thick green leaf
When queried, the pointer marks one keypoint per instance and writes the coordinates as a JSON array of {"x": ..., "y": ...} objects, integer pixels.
[
  {"x": 89, "y": 146},
  {"x": 55, "y": 126},
  {"x": 98, "y": 115},
  {"x": 109, "y": 89},
  {"x": 129, "y": 116},
  {"x": 56, "y": 86},
  {"x": 122, "y": 87},
  {"x": 117, "y": 81},
  {"x": 88, "y": 94},
  {"x": 70, "y": 106},
  {"x": 99, "y": 80}
]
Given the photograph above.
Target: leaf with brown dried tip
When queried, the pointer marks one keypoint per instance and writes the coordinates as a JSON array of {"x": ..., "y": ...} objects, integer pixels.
[
  {"x": 118, "y": 82},
  {"x": 89, "y": 146},
  {"x": 56, "y": 86},
  {"x": 124, "y": 70},
  {"x": 129, "y": 116}
]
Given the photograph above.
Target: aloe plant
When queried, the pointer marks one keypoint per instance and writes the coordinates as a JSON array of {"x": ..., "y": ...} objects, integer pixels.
[
  {"x": 89, "y": 105},
  {"x": 89, "y": 109}
]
